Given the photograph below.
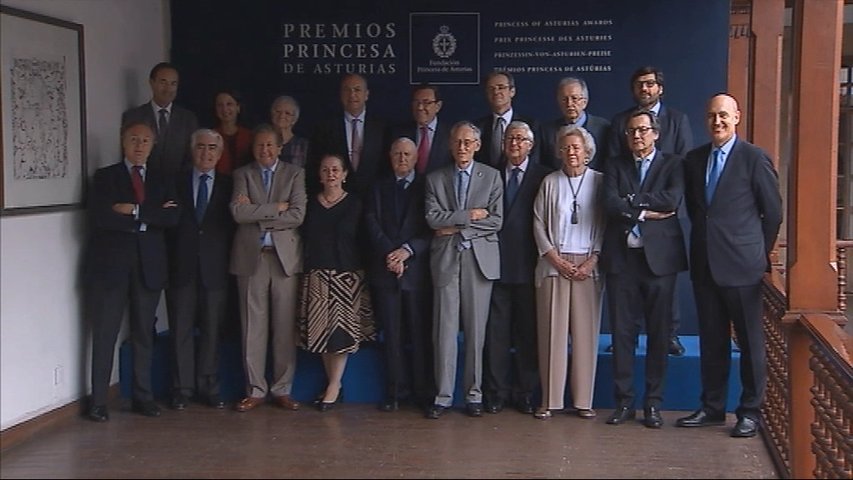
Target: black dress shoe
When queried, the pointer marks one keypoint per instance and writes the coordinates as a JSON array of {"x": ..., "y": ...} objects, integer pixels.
[
  {"x": 389, "y": 405},
  {"x": 525, "y": 405},
  {"x": 653, "y": 418},
  {"x": 745, "y": 428},
  {"x": 215, "y": 401},
  {"x": 179, "y": 402},
  {"x": 435, "y": 411},
  {"x": 98, "y": 413},
  {"x": 676, "y": 349},
  {"x": 701, "y": 418},
  {"x": 495, "y": 406},
  {"x": 149, "y": 409},
  {"x": 474, "y": 409},
  {"x": 622, "y": 415}
]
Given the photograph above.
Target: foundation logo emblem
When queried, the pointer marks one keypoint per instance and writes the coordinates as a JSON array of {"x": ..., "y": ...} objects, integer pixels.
[{"x": 444, "y": 43}]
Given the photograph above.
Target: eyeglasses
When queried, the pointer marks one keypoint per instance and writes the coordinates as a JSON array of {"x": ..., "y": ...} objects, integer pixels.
[
  {"x": 498, "y": 88},
  {"x": 645, "y": 83},
  {"x": 423, "y": 103},
  {"x": 641, "y": 130},
  {"x": 572, "y": 148},
  {"x": 466, "y": 142},
  {"x": 517, "y": 139}
]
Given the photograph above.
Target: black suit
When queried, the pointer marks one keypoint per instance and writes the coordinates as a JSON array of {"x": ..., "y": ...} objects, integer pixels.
[
  {"x": 512, "y": 310},
  {"x": 171, "y": 152},
  {"x": 198, "y": 285},
  {"x": 125, "y": 265},
  {"x": 487, "y": 124},
  {"x": 729, "y": 246},
  {"x": 642, "y": 276},
  {"x": 439, "y": 149},
  {"x": 402, "y": 305},
  {"x": 331, "y": 137},
  {"x": 598, "y": 127}
]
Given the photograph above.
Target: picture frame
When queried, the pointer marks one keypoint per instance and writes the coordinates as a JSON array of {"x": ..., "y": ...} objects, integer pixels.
[{"x": 43, "y": 103}]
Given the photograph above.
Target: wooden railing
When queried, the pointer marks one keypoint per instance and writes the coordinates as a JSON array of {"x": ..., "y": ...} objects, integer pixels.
[
  {"x": 808, "y": 411},
  {"x": 841, "y": 247}
]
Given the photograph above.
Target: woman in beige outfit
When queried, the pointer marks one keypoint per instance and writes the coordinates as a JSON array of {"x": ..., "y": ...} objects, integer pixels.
[{"x": 568, "y": 224}]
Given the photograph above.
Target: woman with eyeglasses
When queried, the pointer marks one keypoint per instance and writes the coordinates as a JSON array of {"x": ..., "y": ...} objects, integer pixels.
[{"x": 568, "y": 225}]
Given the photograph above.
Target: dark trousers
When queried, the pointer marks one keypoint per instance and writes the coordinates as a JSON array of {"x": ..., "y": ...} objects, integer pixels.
[
  {"x": 637, "y": 285},
  {"x": 719, "y": 307},
  {"x": 106, "y": 305},
  {"x": 512, "y": 325},
  {"x": 195, "y": 364},
  {"x": 406, "y": 320}
]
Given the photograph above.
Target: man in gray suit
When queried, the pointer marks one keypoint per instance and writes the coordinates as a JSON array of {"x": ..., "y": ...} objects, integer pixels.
[
  {"x": 172, "y": 124},
  {"x": 464, "y": 205},
  {"x": 268, "y": 205}
]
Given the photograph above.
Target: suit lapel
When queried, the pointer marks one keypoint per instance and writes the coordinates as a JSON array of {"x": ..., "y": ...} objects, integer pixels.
[{"x": 654, "y": 169}]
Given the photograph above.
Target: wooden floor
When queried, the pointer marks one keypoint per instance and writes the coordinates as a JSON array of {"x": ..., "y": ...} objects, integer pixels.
[{"x": 358, "y": 441}]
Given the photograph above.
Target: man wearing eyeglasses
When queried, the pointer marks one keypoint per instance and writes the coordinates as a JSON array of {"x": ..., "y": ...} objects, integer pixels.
[
  {"x": 500, "y": 90},
  {"x": 426, "y": 130},
  {"x": 674, "y": 136},
  {"x": 643, "y": 252},
  {"x": 573, "y": 98},
  {"x": 512, "y": 312},
  {"x": 464, "y": 207}
]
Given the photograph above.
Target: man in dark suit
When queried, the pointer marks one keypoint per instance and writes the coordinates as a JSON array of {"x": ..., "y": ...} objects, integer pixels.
[
  {"x": 268, "y": 204},
  {"x": 358, "y": 137},
  {"x": 172, "y": 124},
  {"x": 125, "y": 264},
  {"x": 199, "y": 249},
  {"x": 643, "y": 252},
  {"x": 464, "y": 206},
  {"x": 573, "y": 98},
  {"x": 399, "y": 274},
  {"x": 429, "y": 134},
  {"x": 512, "y": 311},
  {"x": 500, "y": 90},
  {"x": 674, "y": 136},
  {"x": 733, "y": 199}
]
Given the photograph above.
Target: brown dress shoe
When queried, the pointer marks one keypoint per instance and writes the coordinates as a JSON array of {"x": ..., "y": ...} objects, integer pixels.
[
  {"x": 249, "y": 403},
  {"x": 286, "y": 402}
]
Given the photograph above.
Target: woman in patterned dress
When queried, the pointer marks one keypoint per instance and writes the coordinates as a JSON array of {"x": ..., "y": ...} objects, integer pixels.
[{"x": 335, "y": 313}]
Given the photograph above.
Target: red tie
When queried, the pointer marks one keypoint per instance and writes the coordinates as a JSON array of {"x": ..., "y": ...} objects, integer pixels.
[
  {"x": 138, "y": 184},
  {"x": 423, "y": 150}
]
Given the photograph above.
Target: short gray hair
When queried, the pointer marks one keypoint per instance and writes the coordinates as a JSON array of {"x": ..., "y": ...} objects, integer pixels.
[
  {"x": 206, "y": 131},
  {"x": 569, "y": 130}
]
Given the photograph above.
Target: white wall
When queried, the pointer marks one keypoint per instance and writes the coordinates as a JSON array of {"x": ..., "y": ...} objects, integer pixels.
[{"x": 44, "y": 359}]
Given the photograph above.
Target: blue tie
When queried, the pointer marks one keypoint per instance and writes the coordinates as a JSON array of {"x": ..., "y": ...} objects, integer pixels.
[
  {"x": 462, "y": 188},
  {"x": 267, "y": 179},
  {"x": 512, "y": 185},
  {"x": 641, "y": 172},
  {"x": 714, "y": 175},
  {"x": 201, "y": 197}
]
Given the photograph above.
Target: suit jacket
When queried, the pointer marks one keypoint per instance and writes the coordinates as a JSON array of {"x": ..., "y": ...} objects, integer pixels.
[
  {"x": 598, "y": 127},
  {"x": 115, "y": 241},
  {"x": 518, "y": 248},
  {"x": 732, "y": 237},
  {"x": 330, "y": 137},
  {"x": 262, "y": 215},
  {"x": 624, "y": 198},
  {"x": 486, "y": 126},
  {"x": 485, "y": 190},
  {"x": 675, "y": 134},
  {"x": 171, "y": 153},
  {"x": 439, "y": 149},
  {"x": 202, "y": 249},
  {"x": 387, "y": 233}
]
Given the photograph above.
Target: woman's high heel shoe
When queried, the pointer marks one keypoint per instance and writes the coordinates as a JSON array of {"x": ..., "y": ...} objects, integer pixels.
[{"x": 326, "y": 406}]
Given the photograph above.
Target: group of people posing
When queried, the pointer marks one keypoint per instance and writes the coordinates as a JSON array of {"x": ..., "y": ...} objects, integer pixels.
[{"x": 503, "y": 228}]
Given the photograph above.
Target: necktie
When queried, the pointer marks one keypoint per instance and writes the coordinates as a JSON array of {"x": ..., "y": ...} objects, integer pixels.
[
  {"x": 512, "y": 186},
  {"x": 641, "y": 174},
  {"x": 713, "y": 176},
  {"x": 423, "y": 150},
  {"x": 162, "y": 122},
  {"x": 267, "y": 179},
  {"x": 497, "y": 140},
  {"x": 138, "y": 184},
  {"x": 355, "y": 146},
  {"x": 201, "y": 197},
  {"x": 462, "y": 188}
]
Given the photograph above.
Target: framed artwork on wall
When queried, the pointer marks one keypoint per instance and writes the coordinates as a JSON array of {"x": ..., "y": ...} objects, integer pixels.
[{"x": 43, "y": 103}]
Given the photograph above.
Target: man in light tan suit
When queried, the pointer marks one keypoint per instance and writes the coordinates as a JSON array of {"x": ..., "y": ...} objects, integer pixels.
[{"x": 268, "y": 205}]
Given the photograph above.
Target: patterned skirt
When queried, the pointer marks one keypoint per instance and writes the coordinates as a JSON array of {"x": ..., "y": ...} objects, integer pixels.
[{"x": 335, "y": 313}]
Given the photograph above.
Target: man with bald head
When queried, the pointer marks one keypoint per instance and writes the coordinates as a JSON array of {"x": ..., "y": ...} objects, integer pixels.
[
  {"x": 733, "y": 199},
  {"x": 199, "y": 248},
  {"x": 399, "y": 277}
]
